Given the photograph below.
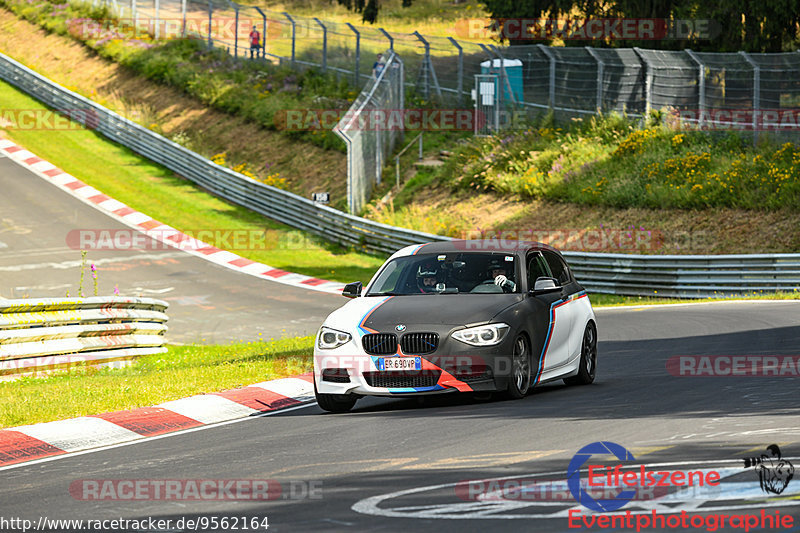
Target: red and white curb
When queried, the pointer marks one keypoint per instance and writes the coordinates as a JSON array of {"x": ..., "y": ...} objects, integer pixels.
[
  {"x": 38, "y": 441},
  {"x": 155, "y": 229}
]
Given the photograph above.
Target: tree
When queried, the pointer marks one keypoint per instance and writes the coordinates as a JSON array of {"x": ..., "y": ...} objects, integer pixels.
[
  {"x": 369, "y": 12},
  {"x": 749, "y": 25}
]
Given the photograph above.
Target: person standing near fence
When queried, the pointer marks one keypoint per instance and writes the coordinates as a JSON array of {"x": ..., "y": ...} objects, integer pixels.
[
  {"x": 377, "y": 67},
  {"x": 255, "y": 42}
]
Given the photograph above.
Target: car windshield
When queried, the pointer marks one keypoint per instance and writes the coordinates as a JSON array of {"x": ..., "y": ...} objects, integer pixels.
[{"x": 447, "y": 273}]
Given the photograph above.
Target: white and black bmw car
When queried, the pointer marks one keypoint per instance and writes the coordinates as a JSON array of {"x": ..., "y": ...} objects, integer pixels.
[{"x": 458, "y": 316}]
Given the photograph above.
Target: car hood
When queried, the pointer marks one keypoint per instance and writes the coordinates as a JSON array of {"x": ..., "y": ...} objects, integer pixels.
[{"x": 383, "y": 313}]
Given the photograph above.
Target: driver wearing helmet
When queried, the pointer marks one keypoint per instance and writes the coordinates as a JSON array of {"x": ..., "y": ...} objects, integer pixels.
[
  {"x": 427, "y": 277},
  {"x": 497, "y": 275}
]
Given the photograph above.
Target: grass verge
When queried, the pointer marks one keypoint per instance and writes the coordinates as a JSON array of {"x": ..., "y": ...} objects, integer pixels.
[
  {"x": 611, "y": 161},
  {"x": 182, "y": 371},
  {"x": 156, "y": 191}
]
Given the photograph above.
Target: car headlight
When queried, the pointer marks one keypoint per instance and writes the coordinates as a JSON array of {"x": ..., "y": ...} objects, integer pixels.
[
  {"x": 487, "y": 335},
  {"x": 331, "y": 338}
]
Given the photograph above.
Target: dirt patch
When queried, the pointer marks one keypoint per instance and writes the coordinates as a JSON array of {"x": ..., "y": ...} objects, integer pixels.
[
  {"x": 609, "y": 229},
  {"x": 307, "y": 168}
]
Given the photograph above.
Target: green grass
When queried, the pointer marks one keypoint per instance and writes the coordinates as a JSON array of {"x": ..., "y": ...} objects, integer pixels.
[
  {"x": 256, "y": 91},
  {"x": 154, "y": 190},
  {"x": 611, "y": 161},
  {"x": 182, "y": 371}
]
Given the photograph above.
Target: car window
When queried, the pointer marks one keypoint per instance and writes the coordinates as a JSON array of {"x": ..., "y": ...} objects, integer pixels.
[
  {"x": 558, "y": 267},
  {"x": 447, "y": 273},
  {"x": 537, "y": 268}
]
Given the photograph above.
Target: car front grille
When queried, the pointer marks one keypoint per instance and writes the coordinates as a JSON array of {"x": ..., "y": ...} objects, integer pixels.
[
  {"x": 380, "y": 343},
  {"x": 419, "y": 343},
  {"x": 402, "y": 378}
]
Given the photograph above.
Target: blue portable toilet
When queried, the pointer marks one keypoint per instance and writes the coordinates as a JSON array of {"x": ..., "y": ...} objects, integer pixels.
[{"x": 513, "y": 68}]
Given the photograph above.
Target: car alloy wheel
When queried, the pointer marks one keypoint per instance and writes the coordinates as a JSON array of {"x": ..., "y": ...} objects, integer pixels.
[
  {"x": 521, "y": 369},
  {"x": 587, "y": 367}
]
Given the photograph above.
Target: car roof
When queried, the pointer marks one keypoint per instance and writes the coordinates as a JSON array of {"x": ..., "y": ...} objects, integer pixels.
[{"x": 476, "y": 245}]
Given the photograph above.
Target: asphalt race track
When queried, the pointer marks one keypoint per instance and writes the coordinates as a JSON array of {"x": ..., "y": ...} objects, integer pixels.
[
  {"x": 208, "y": 303},
  {"x": 397, "y": 464}
]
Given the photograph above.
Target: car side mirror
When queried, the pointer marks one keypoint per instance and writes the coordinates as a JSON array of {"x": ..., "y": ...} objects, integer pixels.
[
  {"x": 545, "y": 285},
  {"x": 352, "y": 290}
]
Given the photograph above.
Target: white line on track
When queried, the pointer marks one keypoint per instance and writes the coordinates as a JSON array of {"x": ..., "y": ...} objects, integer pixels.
[{"x": 63, "y": 265}]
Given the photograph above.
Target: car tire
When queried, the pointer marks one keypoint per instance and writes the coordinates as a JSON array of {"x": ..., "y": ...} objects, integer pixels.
[
  {"x": 587, "y": 367},
  {"x": 335, "y": 403},
  {"x": 521, "y": 376}
]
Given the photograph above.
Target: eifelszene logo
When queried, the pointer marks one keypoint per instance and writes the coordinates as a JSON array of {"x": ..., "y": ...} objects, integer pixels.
[
  {"x": 774, "y": 472},
  {"x": 632, "y": 481}
]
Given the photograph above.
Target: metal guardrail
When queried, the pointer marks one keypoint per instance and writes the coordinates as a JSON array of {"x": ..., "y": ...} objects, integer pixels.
[
  {"x": 42, "y": 335},
  {"x": 685, "y": 276},
  {"x": 635, "y": 275},
  {"x": 279, "y": 205}
]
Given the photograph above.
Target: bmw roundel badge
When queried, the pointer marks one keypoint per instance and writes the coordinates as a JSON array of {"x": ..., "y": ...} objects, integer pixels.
[{"x": 400, "y": 327}]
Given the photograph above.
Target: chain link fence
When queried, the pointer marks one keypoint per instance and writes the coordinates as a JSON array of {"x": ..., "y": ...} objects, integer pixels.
[
  {"x": 366, "y": 129},
  {"x": 712, "y": 90}
]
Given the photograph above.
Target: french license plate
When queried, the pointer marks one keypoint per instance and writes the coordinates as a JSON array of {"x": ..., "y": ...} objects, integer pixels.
[{"x": 400, "y": 363}]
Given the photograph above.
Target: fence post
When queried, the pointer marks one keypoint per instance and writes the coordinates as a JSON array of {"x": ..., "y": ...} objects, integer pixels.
[
  {"x": 496, "y": 105},
  {"x": 701, "y": 87},
  {"x": 756, "y": 93},
  {"x": 294, "y": 33},
  {"x": 157, "y": 22},
  {"x": 600, "y": 74},
  {"x": 324, "y": 44},
  {"x": 357, "y": 71},
  {"x": 391, "y": 39},
  {"x": 427, "y": 65},
  {"x": 183, "y": 18},
  {"x": 263, "y": 32},
  {"x": 210, "y": 11},
  {"x": 648, "y": 82},
  {"x": 460, "y": 69},
  {"x": 552, "y": 83},
  {"x": 236, "y": 31},
  {"x": 135, "y": 17}
]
